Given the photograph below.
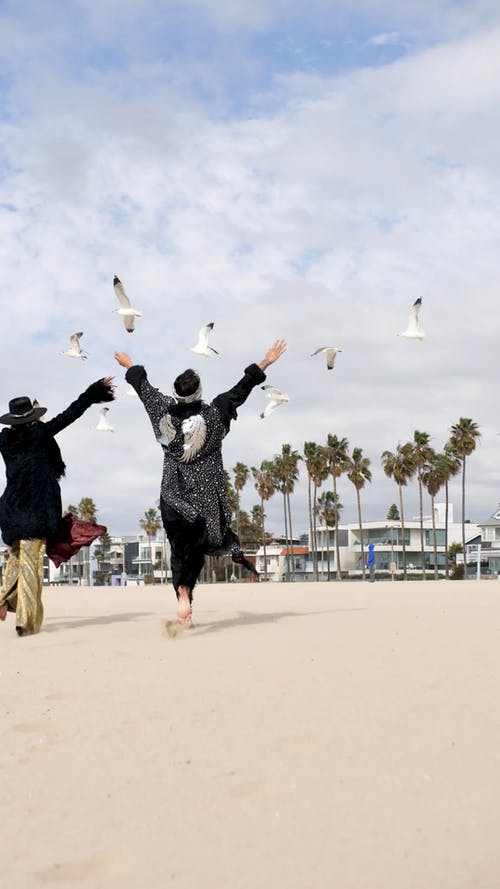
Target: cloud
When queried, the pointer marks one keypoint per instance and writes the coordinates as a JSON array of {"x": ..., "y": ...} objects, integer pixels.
[{"x": 319, "y": 216}]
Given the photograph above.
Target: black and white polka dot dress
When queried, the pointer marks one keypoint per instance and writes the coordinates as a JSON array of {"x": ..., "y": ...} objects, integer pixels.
[{"x": 195, "y": 486}]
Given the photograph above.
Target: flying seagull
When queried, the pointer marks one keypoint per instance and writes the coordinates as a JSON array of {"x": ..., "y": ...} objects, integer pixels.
[
  {"x": 103, "y": 424},
  {"x": 276, "y": 398},
  {"x": 202, "y": 347},
  {"x": 74, "y": 350},
  {"x": 331, "y": 354},
  {"x": 414, "y": 331},
  {"x": 126, "y": 308}
]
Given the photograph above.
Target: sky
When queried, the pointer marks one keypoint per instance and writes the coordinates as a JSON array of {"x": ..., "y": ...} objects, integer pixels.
[{"x": 281, "y": 169}]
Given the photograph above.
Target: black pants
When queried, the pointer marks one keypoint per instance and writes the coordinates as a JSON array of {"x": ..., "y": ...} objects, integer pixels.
[
  {"x": 189, "y": 545},
  {"x": 188, "y": 542}
]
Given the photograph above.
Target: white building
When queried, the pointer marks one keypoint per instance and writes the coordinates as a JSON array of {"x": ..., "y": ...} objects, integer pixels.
[{"x": 387, "y": 537}]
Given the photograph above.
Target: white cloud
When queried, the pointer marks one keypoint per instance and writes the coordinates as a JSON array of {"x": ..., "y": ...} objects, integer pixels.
[{"x": 322, "y": 217}]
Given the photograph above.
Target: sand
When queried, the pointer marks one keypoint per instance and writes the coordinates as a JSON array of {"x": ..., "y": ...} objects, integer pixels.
[{"x": 305, "y": 736}]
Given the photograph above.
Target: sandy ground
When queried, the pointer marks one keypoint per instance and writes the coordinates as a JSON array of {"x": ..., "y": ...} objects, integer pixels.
[{"x": 307, "y": 736}]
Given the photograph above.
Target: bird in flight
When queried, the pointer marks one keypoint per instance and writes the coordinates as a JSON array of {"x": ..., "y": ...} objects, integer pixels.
[
  {"x": 75, "y": 350},
  {"x": 202, "y": 347},
  {"x": 276, "y": 398},
  {"x": 104, "y": 424},
  {"x": 126, "y": 308},
  {"x": 414, "y": 331},
  {"x": 331, "y": 353}
]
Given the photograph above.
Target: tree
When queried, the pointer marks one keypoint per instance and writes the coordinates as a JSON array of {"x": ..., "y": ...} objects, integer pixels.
[
  {"x": 265, "y": 487},
  {"x": 450, "y": 467},
  {"x": 433, "y": 479},
  {"x": 463, "y": 440},
  {"x": 422, "y": 453},
  {"x": 400, "y": 466},
  {"x": 358, "y": 473},
  {"x": 151, "y": 524},
  {"x": 87, "y": 512},
  {"x": 328, "y": 509},
  {"x": 231, "y": 495},
  {"x": 317, "y": 472},
  {"x": 336, "y": 451},
  {"x": 393, "y": 513},
  {"x": 241, "y": 473},
  {"x": 101, "y": 554},
  {"x": 285, "y": 474}
]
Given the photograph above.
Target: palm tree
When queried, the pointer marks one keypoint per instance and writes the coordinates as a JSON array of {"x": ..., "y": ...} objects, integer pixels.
[
  {"x": 400, "y": 466},
  {"x": 433, "y": 475},
  {"x": 285, "y": 474},
  {"x": 358, "y": 473},
  {"x": 450, "y": 467},
  {"x": 336, "y": 451},
  {"x": 150, "y": 524},
  {"x": 265, "y": 487},
  {"x": 328, "y": 509},
  {"x": 464, "y": 437},
  {"x": 87, "y": 512},
  {"x": 241, "y": 473},
  {"x": 317, "y": 471},
  {"x": 422, "y": 452}
]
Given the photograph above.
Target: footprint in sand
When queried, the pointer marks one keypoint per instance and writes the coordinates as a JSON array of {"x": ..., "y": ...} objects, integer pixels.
[{"x": 75, "y": 871}]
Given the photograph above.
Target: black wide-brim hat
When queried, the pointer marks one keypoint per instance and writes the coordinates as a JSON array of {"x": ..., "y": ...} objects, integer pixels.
[{"x": 21, "y": 410}]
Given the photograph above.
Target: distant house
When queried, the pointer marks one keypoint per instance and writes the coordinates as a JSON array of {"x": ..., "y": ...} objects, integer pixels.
[{"x": 490, "y": 544}]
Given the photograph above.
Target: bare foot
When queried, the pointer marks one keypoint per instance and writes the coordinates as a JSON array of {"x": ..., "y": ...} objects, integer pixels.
[
  {"x": 3, "y": 611},
  {"x": 184, "y": 607}
]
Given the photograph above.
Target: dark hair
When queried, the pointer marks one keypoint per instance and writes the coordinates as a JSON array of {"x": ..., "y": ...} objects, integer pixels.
[{"x": 187, "y": 383}]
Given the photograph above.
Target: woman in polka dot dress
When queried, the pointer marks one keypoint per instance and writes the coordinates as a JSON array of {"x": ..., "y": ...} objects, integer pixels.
[{"x": 193, "y": 500}]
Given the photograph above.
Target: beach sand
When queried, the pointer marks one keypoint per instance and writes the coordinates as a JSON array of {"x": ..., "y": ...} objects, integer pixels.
[{"x": 304, "y": 736}]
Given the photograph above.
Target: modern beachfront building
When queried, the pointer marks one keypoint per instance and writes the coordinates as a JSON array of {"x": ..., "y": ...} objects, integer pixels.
[
  {"x": 387, "y": 539},
  {"x": 488, "y": 549}
]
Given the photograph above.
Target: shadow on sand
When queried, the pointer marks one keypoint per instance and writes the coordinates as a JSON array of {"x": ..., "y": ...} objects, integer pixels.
[
  {"x": 52, "y": 625},
  {"x": 248, "y": 618}
]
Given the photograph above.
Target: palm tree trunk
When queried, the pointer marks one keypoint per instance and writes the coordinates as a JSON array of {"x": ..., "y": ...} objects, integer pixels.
[
  {"x": 421, "y": 510},
  {"x": 434, "y": 541},
  {"x": 446, "y": 566},
  {"x": 263, "y": 536},
  {"x": 338, "y": 569},
  {"x": 291, "y": 533},
  {"x": 287, "y": 564},
  {"x": 327, "y": 552},
  {"x": 315, "y": 495},
  {"x": 358, "y": 498},
  {"x": 402, "y": 516},
  {"x": 311, "y": 534},
  {"x": 463, "y": 517}
]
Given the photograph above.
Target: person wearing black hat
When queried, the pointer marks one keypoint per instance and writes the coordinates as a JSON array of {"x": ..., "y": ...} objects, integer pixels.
[
  {"x": 30, "y": 506},
  {"x": 193, "y": 499}
]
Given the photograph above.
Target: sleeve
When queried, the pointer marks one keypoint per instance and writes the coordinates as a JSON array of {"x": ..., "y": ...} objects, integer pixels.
[
  {"x": 95, "y": 394},
  {"x": 228, "y": 402},
  {"x": 155, "y": 403}
]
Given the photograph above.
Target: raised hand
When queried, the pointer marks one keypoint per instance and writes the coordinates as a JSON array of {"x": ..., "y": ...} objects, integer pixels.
[{"x": 276, "y": 351}]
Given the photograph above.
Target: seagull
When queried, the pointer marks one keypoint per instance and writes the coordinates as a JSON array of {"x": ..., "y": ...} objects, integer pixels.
[
  {"x": 74, "y": 350},
  {"x": 414, "y": 331},
  {"x": 103, "y": 424},
  {"x": 202, "y": 347},
  {"x": 276, "y": 398},
  {"x": 331, "y": 354},
  {"x": 126, "y": 309}
]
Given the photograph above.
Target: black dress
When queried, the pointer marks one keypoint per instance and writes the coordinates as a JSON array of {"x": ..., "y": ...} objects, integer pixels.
[
  {"x": 30, "y": 506},
  {"x": 193, "y": 497}
]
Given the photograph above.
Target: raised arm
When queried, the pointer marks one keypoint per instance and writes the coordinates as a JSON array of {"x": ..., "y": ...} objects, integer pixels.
[
  {"x": 155, "y": 403},
  {"x": 101, "y": 390},
  {"x": 228, "y": 402}
]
